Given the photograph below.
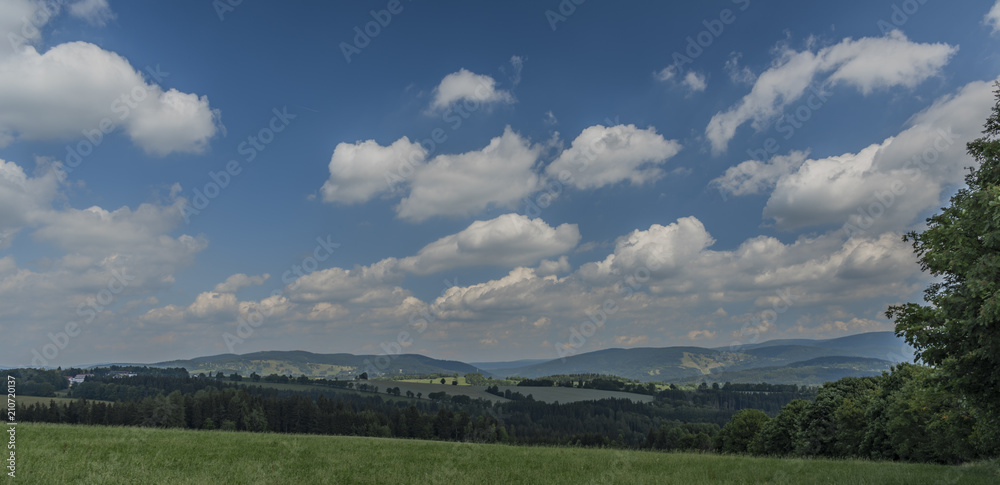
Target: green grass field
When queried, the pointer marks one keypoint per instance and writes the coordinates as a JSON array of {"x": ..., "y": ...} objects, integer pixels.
[{"x": 57, "y": 454}]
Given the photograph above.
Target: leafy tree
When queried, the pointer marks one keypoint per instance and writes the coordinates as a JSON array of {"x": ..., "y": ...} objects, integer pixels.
[
  {"x": 736, "y": 435},
  {"x": 777, "y": 437},
  {"x": 959, "y": 330},
  {"x": 927, "y": 424},
  {"x": 834, "y": 423},
  {"x": 443, "y": 380}
]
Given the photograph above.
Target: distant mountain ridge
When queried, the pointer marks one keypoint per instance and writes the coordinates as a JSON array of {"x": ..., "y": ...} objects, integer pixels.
[
  {"x": 690, "y": 363},
  {"x": 792, "y": 361},
  {"x": 300, "y": 362}
]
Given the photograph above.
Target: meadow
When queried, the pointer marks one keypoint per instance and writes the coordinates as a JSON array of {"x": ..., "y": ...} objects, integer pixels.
[{"x": 50, "y": 454}]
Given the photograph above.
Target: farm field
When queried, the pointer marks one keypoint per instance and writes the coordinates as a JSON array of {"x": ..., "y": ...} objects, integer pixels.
[{"x": 48, "y": 453}]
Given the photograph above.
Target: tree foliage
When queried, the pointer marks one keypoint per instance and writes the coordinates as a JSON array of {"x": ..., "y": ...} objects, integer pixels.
[{"x": 958, "y": 331}]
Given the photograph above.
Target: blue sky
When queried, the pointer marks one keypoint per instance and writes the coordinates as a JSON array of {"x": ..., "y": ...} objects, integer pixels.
[{"x": 474, "y": 181}]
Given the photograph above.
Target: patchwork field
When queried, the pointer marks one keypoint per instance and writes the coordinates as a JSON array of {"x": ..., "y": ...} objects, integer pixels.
[{"x": 50, "y": 454}]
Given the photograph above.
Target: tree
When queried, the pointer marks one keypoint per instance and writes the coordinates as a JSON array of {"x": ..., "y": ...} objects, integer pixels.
[
  {"x": 736, "y": 435},
  {"x": 777, "y": 437},
  {"x": 443, "y": 380},
  {"x": 959, "y": 330}
]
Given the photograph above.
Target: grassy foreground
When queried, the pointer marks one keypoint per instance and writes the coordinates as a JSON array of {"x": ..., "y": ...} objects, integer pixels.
[{"x": 56, "y": 454}]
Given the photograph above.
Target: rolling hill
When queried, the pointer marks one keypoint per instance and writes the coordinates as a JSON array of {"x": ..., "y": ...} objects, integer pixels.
[
  {"x": 813, "y": 372},
  {"x": 298, "y": 362},
  {"x": 696, "y": 363},
  {"x": 768, "y": 361}
]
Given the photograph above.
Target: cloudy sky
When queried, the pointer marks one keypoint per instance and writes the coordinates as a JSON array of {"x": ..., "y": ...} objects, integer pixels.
[{"x": 488, "y": 182}]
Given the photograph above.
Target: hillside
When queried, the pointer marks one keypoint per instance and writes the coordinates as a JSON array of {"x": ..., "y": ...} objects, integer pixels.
[
  {"x": 646, "y": 364},
  {"x": 669, "y": 364},
  {"x": 297, "y": 362},
  {"x": 813, "y": 372},
  {"x": 124, "y": 455},
  {"x": 696, "y": 363}
]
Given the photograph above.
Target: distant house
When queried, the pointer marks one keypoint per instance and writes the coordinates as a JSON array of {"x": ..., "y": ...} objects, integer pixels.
[
  {"x": 118, "y": 375},
  {"x": 78, "y": 378}
]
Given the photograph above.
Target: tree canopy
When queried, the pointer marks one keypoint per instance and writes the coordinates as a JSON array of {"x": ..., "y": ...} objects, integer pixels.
[{"x": 958, "y": 331}]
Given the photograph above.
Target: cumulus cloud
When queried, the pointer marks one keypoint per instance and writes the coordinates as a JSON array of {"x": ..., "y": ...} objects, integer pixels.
[
  {"x": 658, "y": 250},
  {"x": 76, "y": 90},
  {"x": 754, "y": 177},
  {"x": 467, "y": 86},
  {"x": 499, "y": 175},
  {"x": 549, "y": 267},
  {"x": 238, "y": 281},
  {"x": 603, "y": 155},
  {"x": 885, "y": 186},
  {"x": 866, "y": 64},
  {"x": 362, "y": 170},
  {"x": 508, "y": 240},
  {"x": 23, "y": 199},
  {"x": 362, "y": 284}
]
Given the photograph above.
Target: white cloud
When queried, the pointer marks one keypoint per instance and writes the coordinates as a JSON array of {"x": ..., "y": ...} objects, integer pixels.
[
  {"x": 362, "y": 170},
  {"x": 660, "y": 250},
  {"x": 519, "y": 292},
  {"x": 76, "y": 90},
  {"x": 99, "y": 265},
  {"x": 550, "y": 119},
  {"x": 603, "y": 155},
  {"x": 467, "y": 86},
  {"x": 508, "y": 240},
  {"x": 210, "y": 304},
  {"x": 20, "y": 22},
  {"x": 738, "y": 74},
  {"x": 665, "y": 74},
  {"x": 694, "y": 81},
  {"x": 701, "y": 334},
  {"x": 95, "y": 12},
  {"x": 754, "y": 177},
  {"x": 238, "y": 281},
  {"x": 23, "y": 199},
  {"x": 992, "y": 18},
  {"x": 499, "y": 175},
  {"x": 887, "y": 185},
  {"x": 548, "y": 267},
  {"x": 362, "y": 284},
  {"x": 867, "y": 64}
]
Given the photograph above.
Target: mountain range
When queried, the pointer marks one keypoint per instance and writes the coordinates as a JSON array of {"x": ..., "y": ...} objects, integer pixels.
[{"x": 791, "y": 361}]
